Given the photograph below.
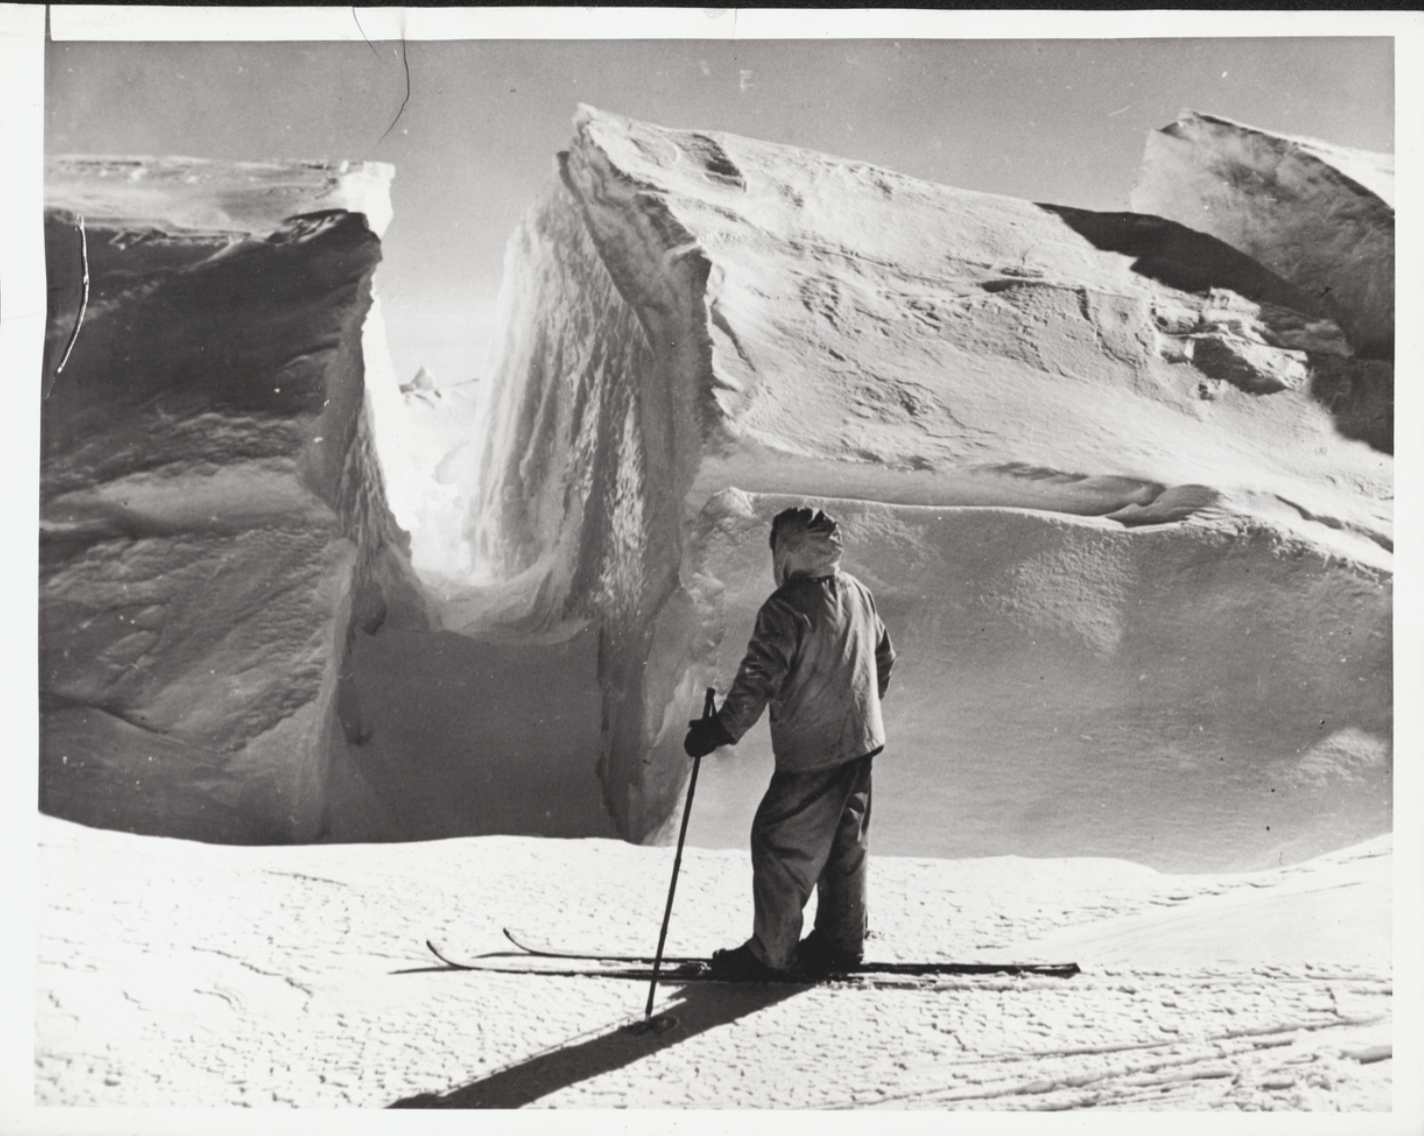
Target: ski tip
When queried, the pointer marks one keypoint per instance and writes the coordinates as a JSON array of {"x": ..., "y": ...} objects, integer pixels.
[{"x": 433, "y": 949}]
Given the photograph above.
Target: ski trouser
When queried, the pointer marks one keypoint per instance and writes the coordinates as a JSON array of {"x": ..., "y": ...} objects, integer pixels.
[{"x": 812, "y": 830}]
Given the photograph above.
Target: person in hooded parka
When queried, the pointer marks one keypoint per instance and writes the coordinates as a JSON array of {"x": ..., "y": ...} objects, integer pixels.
[{"x": 820, "y": 657}]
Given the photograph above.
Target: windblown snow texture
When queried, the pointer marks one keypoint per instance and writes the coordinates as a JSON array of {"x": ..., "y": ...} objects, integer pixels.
[
  {"x": 1116, "y": 417},
  {"x": 1211, "y": 692}
]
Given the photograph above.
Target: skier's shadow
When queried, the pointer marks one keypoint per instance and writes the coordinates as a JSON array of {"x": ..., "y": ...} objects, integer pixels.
[{"x": 699, "y": 1007}]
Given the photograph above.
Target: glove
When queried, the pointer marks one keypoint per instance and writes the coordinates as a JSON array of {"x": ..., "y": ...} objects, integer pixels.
[{"x": 705, "y": 735}]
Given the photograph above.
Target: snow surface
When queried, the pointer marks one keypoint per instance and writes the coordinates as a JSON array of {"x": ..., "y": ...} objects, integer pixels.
[
  {"x": 198, "y": 195},
  {"x": 171, "y": 974},
  {"x": 1068, "y": 686}
]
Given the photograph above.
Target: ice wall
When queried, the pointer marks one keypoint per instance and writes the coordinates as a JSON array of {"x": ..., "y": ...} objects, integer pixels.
[
  {"x": 687, "y": 313},
  {"x": 213, "y": 524},
  {"x": 234, "y": 646},
  {"x": 590, "y": 452},
  {"x": 1125, "y": 494}
]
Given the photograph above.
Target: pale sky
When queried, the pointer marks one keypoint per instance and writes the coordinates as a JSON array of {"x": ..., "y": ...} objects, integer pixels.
[{"x": 1060, "y": 121}]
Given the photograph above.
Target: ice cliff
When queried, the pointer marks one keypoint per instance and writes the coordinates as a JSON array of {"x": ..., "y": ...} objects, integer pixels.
[
  {"x": 1101, "y": 448},
  {"x": 213, "y": 527},
  {"x": 233, "y": 644},
  {"x": 1123, "y": 490},
  {"x": 1320, "y": 215}
]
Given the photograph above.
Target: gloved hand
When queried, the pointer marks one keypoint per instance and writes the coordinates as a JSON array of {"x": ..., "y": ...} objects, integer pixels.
[{"x": 705, "y": 735}]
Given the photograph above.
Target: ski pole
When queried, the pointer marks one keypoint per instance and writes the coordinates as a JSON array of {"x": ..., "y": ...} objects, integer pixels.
[{"x": 709, "y": 707}]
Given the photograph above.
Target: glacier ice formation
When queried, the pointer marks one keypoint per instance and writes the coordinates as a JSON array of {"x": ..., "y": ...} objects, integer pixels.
[
  {"x": 1124, "y": 490},
  {"x": 210, "y": 528},
  {"x": 688, "y": 314}
]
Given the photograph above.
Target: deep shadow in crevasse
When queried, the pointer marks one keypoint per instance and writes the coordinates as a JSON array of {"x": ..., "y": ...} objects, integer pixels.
[{"x": 1359, "y": 393}]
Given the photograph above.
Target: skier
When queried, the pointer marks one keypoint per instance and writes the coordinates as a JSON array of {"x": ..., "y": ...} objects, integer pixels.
[{"x": 821, "y": 657}]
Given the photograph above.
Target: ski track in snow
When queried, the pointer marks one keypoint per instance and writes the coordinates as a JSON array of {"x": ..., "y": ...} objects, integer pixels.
[{"x": 192, "y": 975}]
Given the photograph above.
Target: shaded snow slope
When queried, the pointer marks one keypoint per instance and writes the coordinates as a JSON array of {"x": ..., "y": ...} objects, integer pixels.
[
  {"x": 686, "y": 313},
  {"x": 462, "y": 737},
  {"x": 213, "y": 525},
  {"x": 1321, "y": 216}
]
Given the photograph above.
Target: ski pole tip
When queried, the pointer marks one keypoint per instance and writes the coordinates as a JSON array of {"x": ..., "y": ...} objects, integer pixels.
[{"x": 656, "y": 1023}]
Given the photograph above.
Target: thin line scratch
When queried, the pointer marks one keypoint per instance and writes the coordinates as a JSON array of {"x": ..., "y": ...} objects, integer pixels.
[
  {"x": 405, "y": 59},
  {"x": 362, "y": 30},
  {"x": 84, "y": 303}
]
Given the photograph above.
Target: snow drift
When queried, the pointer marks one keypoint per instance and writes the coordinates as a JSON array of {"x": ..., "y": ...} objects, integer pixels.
[
  {"x": 1206, "y": 692},
  {"x": 1119, "y": 419}
]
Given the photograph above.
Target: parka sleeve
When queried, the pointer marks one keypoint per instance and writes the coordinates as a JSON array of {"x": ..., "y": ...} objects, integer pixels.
[
  {"x": 884, "y": 659},
  {"x": 884, "y": 649},
  {"x": 769, "y": 659}
]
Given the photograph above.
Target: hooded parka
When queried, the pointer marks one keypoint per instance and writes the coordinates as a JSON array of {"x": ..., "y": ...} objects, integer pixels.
[{"x": 819, "y": 655}]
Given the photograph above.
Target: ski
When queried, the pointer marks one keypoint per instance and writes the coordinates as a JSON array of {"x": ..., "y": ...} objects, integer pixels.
[
  {"x": 699, "y": 970},
  {"x": 689, "y": 971},
  {"x": 541, "y": 951},
  {"x": 916, "y": 969}
]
